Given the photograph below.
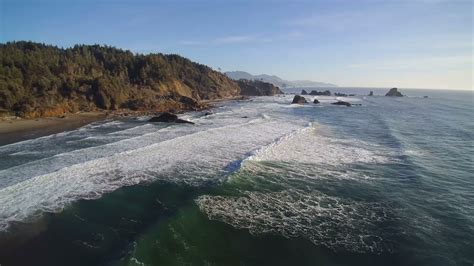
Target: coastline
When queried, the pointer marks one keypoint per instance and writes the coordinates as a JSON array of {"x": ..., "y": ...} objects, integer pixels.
[
  {"x": 211, "y": 103},
  {"x": 16, "y": 130}
]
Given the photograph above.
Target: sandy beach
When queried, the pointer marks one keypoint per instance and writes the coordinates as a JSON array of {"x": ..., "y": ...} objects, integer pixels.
[{"x": 14, "y": 130}]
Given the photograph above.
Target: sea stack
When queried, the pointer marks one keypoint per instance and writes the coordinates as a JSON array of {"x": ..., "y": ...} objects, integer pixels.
[
  {"x": 323, "y": 93},
  {"x": 371, "y": 93},
  {"x": 304, "y": 92},
  {"x": 299, "y": 99},
  {"x": 393, "y": 92}
]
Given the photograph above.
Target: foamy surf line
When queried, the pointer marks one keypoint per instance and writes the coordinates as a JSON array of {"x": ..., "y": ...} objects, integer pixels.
[
  {"x": 307, "y": 146},
  {"x": 19, "y": 173},
  {"x": 309, "y": 155},
  {"x": 192, "y": 159},
  {"x": 306, "y": 155},
  {"x": 333, "y": 222}
]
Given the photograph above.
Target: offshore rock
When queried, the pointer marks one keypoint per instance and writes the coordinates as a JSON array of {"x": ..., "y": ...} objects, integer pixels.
[
  {"x": 393, "y": 92},
  {"x": 342, "y": 103},
  {"x": 299, "y": 99},
  {"x": 168, "y": 118},
  {"x": 323, "y": 93}
]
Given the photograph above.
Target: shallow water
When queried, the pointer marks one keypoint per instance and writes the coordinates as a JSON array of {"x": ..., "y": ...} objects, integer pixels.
[{"x": 258, "y": 182}]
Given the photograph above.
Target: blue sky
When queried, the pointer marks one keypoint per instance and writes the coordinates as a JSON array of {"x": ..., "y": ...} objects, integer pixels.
[{"x": 405, "y": 43}]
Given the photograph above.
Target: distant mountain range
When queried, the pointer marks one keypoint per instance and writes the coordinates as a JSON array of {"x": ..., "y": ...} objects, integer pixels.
[{"x": 277, "y": 81}]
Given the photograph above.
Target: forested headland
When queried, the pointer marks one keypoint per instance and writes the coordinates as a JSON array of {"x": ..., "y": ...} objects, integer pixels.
[{"x": 44, "y": 80}]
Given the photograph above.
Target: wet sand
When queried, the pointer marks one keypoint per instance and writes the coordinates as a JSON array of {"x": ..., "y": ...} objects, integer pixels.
[{"x": 15, "y": 130}]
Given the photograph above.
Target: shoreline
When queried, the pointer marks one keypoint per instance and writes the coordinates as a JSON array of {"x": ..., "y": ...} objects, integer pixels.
[
  {"x": 16, "y": 130},
  {"x": 227, "y": 99}
]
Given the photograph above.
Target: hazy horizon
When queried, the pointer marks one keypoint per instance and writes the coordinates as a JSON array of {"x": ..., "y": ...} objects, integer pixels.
[
  {"x": 362, "y": 87},
  {"x": 423, "y": 44}
]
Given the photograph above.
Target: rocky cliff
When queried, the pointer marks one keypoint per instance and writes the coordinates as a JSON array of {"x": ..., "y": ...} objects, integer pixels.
[
  {"x": 257, "y": 88},
  {"x": 43, "y": 80}
]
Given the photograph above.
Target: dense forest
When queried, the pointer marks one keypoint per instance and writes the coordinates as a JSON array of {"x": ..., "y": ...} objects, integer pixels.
[{"x": 44, "y": 80}]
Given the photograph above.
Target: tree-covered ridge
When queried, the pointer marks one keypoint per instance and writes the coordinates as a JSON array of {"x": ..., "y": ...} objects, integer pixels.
[{"x": 36, "y": 79}]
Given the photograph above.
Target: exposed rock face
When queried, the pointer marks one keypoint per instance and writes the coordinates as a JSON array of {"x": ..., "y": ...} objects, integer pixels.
[
  {"x": 164, "y": 104},
  {"x": 315, "y": 101},
  {"x": 304, "y": 92},
  {"x": 168, "y": 118},
  {"x": 299, "y": 99},
  {"x": 371, "y": 93},
  {"x": 323, "y": 93},
  {"x": 257, "y": 88},
  {"x": 393, "y": 92},
  {"x": 342, "y": 103}
]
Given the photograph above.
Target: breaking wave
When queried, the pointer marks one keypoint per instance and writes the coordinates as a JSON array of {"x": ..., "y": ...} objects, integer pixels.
[
  {"x": 280, "y": 193},
  {"x": 193, "y": 158}
]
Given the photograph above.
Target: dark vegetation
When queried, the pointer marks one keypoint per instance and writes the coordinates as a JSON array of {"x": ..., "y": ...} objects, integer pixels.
[{"x": 43, "y": 80}]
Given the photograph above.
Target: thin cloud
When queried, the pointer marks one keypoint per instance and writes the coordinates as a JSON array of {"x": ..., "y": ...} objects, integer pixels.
[
  {"x": 235, "y": 39},
  {"x": 232, "y": 39},
  {"x": 422, "y": 63},
  {"x": 295, "y": 34},
  {"x": 188, "y": 42},
  {"x": 339, "y": 20}
]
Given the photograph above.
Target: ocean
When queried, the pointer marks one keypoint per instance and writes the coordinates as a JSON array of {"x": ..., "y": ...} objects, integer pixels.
[{"x": 255, "y": 182}]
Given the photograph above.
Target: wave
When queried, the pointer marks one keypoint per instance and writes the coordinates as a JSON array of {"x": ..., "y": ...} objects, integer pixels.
[
  {"x": 279, "y": 186},
  {"x": 191, "y": 158},
  {"x": 103, "y": 124},
  {"x": 333, "y": 222},
  {"x": 134, "y": 130},
  {"x": 58, "y": 161},
  {"x": 306, "y": 146},
  {"x": 15, "y": 145},
  {"x": 21, "y": 153}
]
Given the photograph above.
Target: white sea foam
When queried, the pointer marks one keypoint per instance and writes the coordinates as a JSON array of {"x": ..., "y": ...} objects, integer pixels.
[
  {"x": 333, "y": 222},
  {"x": 107, "y": 124},
  {"x": 21, "y": 153},
  {"x": 56, "y": 162},
  {"x": 307, "y": 155},
  {"x": 307, "y": 146},
  {"x": 146, "y": 128},
  {"x": 53, "y": 163},
  {"x": 192, "y": 158}
]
